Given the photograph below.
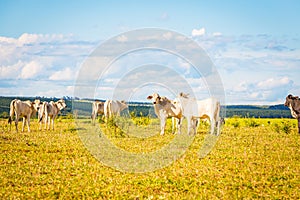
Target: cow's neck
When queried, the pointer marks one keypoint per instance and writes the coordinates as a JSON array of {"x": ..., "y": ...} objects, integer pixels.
[
  {"x": 293, "y": 113},
  {"x": 59, "y": 106}
]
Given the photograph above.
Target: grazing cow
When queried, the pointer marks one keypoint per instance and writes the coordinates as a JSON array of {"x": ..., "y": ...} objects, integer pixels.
[
  {"x": 22, "y": 109},
  {"x": 204, "y": 109},
  {"x": 113, "y": 108},
  {"x": 97, "y": 108},
  {"x": 165, "y": 108},
  {"x": 50, "y": 111},
  {"x": 293, "y": 102}
]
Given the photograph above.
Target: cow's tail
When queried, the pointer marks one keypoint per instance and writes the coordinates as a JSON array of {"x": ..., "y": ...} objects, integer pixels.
[
  {"x": 12, "y": 111},
  {"x": 42, "y": 111},
  {"x": 218, "y": 117},
  {"x": 107, "y": 109}
]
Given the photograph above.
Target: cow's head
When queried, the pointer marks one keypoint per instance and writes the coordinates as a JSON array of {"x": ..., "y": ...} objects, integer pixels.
[
  {"x": 155, "y": 98},
  {"x": 36, "y": 104},
  {"x": 61, "y": 104},
  {"x": 123, "y": 105},
  {"x": 181, "y": 94},
  {"x": 289, "y": 99}
]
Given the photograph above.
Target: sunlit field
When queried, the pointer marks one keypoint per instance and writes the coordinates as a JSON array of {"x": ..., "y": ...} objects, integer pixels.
[{"x": 253, "y": 158}]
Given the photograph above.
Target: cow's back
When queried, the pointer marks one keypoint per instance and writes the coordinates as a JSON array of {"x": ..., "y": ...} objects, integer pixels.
[{"x": 24, "y": 108}]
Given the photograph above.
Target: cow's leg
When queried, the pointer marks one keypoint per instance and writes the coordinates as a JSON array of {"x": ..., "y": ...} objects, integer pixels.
[
  {"x": 48, "y": 124},
  {"x": 28, "y": 123},
  {"x": 45, "y": 123},
  {"x": 53, "y": 123},
  {"x": 23, "y": 124},
  {"x": 162, "y": 125},
  {"x": 94, "y": 117},
  {"x": 212, "y": 126},
  {"x": 16, "y": 123},
  {"x": 189, "y": 124},
  {"x": 218, "y": 126},
  {"x": 174, "y": 124},
  {"x": 178, "y": 125},
  {"x": 194, "y": 125}
]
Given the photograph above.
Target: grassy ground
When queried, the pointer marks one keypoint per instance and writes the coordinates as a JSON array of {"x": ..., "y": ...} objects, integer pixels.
[{"x": 253, "y": 158}]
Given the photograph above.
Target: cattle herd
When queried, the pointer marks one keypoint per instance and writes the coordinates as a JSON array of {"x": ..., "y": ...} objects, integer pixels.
[
  {"x": 181, "y": 107},
  {"x": 177, "y": 109},
  {"x": 47, "y": 112}
]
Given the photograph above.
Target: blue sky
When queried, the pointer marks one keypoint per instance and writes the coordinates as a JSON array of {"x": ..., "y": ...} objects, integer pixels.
[{"x": 255, "y": 45}]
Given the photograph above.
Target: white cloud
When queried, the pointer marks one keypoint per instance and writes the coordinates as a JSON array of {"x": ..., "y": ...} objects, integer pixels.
[
  {"x": 63, "y": 75},
  {"x": 198, "y": 32},
  {"x": 122, "y": 38},
  {"x": 11, "y": 72},
  {"x": 266, "y": 91},
  {"x": 7, "y": 40},
  {"x": 255, "y": 69},
  {"x": 27, "y": 38},
  {"x": 31, "y": 70},
  {"x": 274, "y": 83},
  {"x": 241, "y": 87},
  {"x": 216, "y": 34},
  {"x": 167, "y": 35}
]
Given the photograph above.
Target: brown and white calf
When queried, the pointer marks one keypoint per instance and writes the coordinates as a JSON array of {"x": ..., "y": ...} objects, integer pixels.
[
  {"x": 23, "y": 109},
  {"x": 165, "y": 108}
]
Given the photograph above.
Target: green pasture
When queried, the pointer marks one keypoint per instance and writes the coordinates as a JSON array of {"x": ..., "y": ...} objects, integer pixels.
[{"x": 252, "y": 159}]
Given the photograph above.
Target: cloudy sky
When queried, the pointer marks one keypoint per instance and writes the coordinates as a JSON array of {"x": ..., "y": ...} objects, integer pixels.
[{"x": 253, "y": 45}]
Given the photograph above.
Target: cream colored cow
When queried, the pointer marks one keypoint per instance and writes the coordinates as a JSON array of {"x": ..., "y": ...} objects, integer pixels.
[
  {"x": 23, "y": 109},
  {"x": 50, "y": 111},
  {"x": 113, "y": 108},
  {"x": 165, "y": 108},
  {"x": 97, "y": 108},
  {"x": 194, "y": 110}
]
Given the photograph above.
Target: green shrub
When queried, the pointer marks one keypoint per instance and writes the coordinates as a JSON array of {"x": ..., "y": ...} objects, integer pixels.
[
  {"x": 283, "y": 127},
  {"x": 251, "y": 122}
]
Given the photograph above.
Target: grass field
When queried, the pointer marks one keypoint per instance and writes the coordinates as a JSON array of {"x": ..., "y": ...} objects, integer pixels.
[{"x": 253, "y": 158}]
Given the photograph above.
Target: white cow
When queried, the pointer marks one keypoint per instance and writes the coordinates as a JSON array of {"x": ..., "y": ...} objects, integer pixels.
[
  {"x": 194, "y": 110},
  {"x": 50, "y": 111},
  {"x": 165, "y": 108},
  {"x": 113, "y": 108},
  {"x": 97, "y": 108},
  {"x": 22, "y": 109}
]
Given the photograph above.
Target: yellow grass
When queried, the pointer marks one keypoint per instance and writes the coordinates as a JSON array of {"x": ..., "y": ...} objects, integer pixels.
[{"x": 248, "y": 161}]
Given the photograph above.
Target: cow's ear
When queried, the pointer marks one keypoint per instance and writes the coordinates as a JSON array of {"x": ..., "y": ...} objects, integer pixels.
[
  {"x": 290, "y": 96},
  {"x": 149, "y": 97}
]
